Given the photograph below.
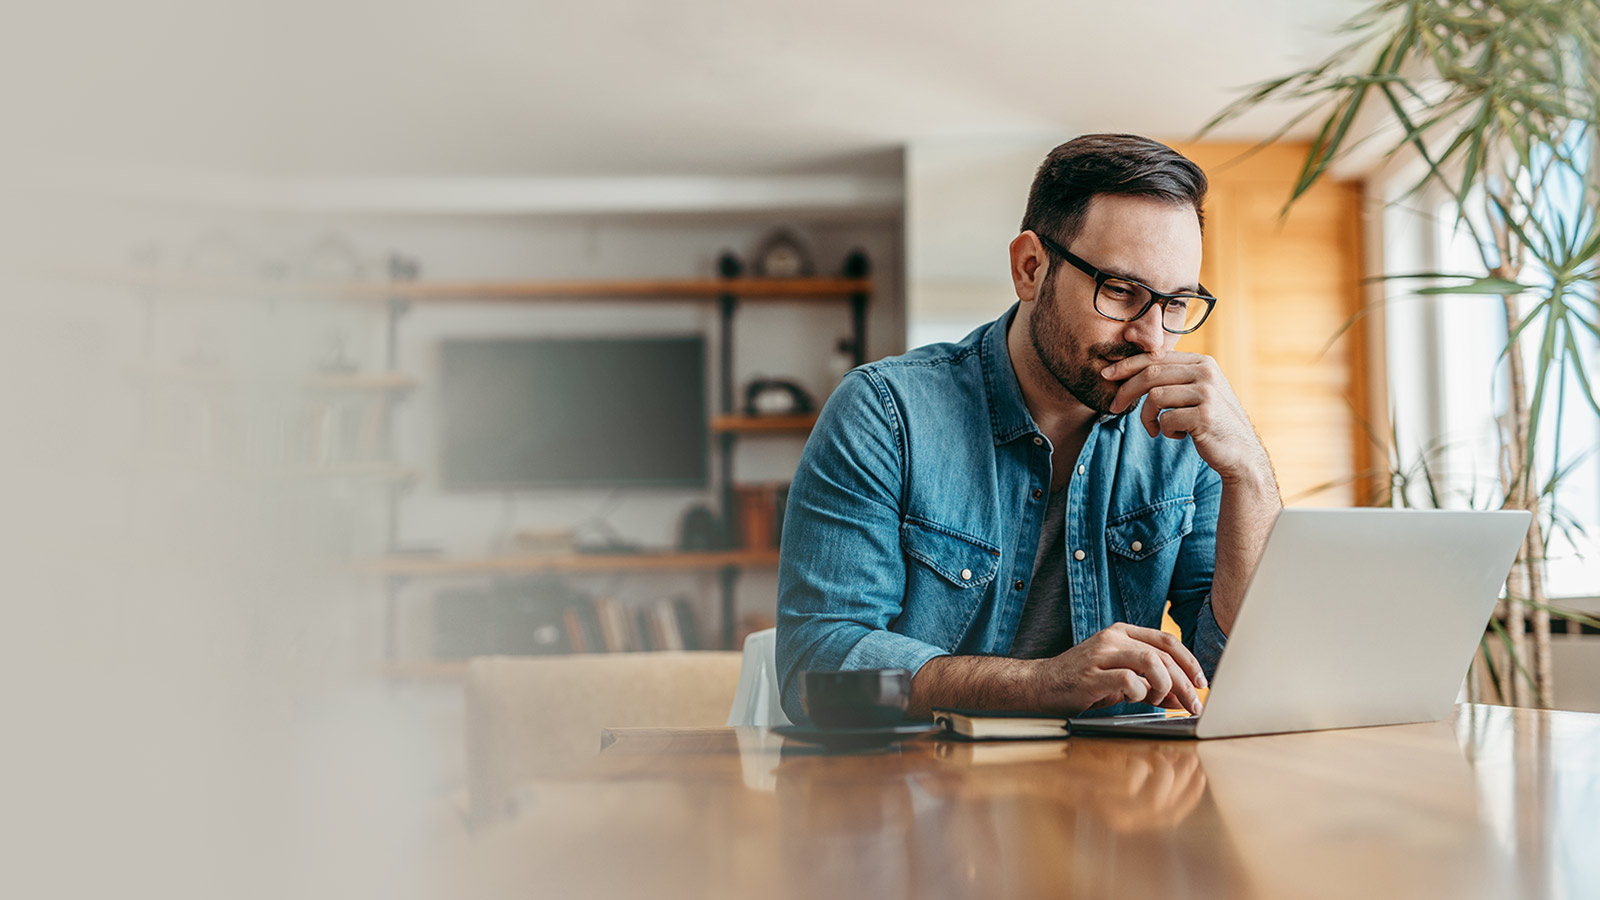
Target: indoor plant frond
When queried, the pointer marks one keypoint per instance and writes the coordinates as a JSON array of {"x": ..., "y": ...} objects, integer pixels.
[{"x": 1498, "y": 103}]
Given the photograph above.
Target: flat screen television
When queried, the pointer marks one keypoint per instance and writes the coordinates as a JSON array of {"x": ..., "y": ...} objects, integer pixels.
[{"x": 535, "y": 412}]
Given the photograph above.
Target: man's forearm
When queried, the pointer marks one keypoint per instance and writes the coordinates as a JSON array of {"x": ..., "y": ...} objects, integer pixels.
[
  {"x": 975, "y": 682},
  {"x": 1244, "y": 519}
]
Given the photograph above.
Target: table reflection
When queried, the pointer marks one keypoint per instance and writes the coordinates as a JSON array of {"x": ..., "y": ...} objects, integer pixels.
[
  {"x": 1096, "y": 818},
  {"x": 1495, "y": 804}
]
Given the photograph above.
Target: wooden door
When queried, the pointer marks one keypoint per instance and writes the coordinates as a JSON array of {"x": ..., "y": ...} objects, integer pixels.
[{"x": 1285, "y": 288}]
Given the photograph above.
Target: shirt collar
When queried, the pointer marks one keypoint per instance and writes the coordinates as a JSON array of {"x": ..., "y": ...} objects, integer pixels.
[{"x": 1008, "y": 412}]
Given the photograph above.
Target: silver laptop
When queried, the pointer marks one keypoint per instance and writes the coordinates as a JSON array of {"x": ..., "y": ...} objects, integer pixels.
[{"x": 1354, "y": 617}]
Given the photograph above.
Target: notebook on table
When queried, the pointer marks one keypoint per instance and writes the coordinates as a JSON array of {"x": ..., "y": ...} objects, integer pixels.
[{"x": 990, "y": 725}]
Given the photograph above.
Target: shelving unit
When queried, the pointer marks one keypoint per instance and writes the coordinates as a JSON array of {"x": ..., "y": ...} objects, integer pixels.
[
  {"x": 574, "y": 563},
  {"x": 390, "y": 382},
  {"x": 220, "y": 379},
  {"x": 728, "y": 425},
  {"x": 801, "y": 424},
  {"x": 214, "y": 387}
]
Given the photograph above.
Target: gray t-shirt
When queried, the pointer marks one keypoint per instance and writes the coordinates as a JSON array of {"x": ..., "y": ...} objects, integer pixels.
[{"x": 1046, "y": 626}]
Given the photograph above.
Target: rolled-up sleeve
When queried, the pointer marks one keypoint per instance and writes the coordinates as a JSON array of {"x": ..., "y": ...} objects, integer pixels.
[
  {"x": 841, "y": 579},
  {"x": 1190, "y": 593}
]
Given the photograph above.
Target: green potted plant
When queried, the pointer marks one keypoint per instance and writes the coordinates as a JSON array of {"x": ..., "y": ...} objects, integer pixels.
[{"x": 1499, "y": 104}]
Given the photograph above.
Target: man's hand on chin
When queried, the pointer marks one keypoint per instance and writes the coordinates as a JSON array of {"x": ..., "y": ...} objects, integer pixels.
[{"x": 1186, "y": 394}]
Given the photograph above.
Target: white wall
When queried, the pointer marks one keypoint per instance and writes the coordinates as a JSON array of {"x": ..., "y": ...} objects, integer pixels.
[{"x": 964, "y": 203}]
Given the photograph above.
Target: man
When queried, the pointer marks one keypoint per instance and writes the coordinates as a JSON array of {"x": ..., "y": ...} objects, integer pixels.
[{"x": 1008, "y": 516}]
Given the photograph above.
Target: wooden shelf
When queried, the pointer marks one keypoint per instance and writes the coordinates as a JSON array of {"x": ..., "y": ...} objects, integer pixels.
[
  {"x": 514, "y": 290},
  {"x": 374, "y": 470},
  {"x": 195, "y": 376},
  {"x": 641, "y": 289},
  {"x": 446, "y": 670},
  {"x": 763, "y": 424},
  {"x": 575, "y": 563}
]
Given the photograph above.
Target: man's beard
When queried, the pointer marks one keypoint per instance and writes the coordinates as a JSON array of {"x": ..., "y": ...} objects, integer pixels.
[{"x": 1065, "y": 359}]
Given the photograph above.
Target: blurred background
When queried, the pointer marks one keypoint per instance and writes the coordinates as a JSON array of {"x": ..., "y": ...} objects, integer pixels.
[{"x": 347, "y": 341}]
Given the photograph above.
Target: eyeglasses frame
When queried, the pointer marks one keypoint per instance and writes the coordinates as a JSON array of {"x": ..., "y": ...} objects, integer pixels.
[{"x": 1100, "y": 278}]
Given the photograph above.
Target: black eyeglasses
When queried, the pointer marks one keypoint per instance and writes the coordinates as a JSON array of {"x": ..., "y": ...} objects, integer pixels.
[{"x": 1126, "y": 300}]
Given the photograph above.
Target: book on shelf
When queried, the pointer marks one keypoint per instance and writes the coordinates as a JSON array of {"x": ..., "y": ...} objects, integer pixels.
[
  {"x": 667, "y": 621},
  {"x": 688, "y": 624},
  {"x": 613, "y": 630},
  {"x": 541, "y": 616},
  {"x": 584, "y": 632},
  {"x": 648, "y": 633},
  {"x": 1000, "y": 725},
  {"x": 575, "y": 636}
]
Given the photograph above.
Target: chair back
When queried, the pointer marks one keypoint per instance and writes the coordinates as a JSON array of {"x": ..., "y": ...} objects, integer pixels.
[
  {"x": 757, "y": 701},
  {"x": 542, "y": 716}
]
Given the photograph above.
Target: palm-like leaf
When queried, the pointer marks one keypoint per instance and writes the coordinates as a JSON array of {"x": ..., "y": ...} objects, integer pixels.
[{"x": 1501, "y": 103}]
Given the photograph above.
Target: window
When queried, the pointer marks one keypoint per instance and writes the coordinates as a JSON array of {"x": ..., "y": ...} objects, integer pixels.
[{"x": 1449, "y": 388}]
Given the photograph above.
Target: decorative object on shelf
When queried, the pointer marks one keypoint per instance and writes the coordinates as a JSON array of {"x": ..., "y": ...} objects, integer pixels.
[
  {"x": 776, "y": 397},
  {"x": 857, "y": 264},
  {"x": 782, "y": 255},
  {"x": 332, "y": 257},
  {"x": 403, "y": 267},
  {"x": 759, "y": 516},
  {"x": 543, "y": 541},
  {"x": 699, "y": 531},
  {"x": 729, "y": 265}
]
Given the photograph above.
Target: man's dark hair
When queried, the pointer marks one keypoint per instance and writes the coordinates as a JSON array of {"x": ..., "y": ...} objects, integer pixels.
[{"x": 1093, "y": 164}]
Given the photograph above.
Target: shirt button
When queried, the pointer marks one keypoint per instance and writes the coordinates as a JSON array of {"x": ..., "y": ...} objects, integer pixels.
[
  {"x": 1018, "y": 585},
  {"x": 1137, "y": 546},
  {"x": 1037, "y": 493},
  {"x": 1077, "y": 554},
  {"x": 1081, "y": 470},
  {"x": 966, "y": 574},
  {"x": 1038, "y": 442}
]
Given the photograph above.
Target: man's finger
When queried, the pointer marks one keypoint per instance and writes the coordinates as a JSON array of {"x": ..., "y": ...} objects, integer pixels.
[
  {"x": 1129, "y": 366},
  {"x": 1166, "y": 397},
  {"x": 1178, "y": 423},
  {"x": 1173, "y": 648},
  {"x": 1166, "y": 372},
  {"x": 1150, "y": 664},
  {"x": 1182, "y": 686},
  {"x": 1128, "y": 686}
]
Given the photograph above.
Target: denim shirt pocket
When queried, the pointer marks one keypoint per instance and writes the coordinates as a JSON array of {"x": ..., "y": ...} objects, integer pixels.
[
  {"x": 945, "y": 580},
  {"x": 1143, "y": 549}
]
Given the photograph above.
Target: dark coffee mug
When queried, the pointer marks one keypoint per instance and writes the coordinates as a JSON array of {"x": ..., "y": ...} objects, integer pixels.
[{"x": 864, "y": 698}]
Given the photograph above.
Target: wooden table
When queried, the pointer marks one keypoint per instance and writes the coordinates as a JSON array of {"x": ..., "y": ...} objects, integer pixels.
[{"x": 1498, "y": 803}]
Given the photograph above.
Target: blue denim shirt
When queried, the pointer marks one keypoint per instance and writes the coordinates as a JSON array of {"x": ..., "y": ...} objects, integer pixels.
[{"x": 912, "y": 527}]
